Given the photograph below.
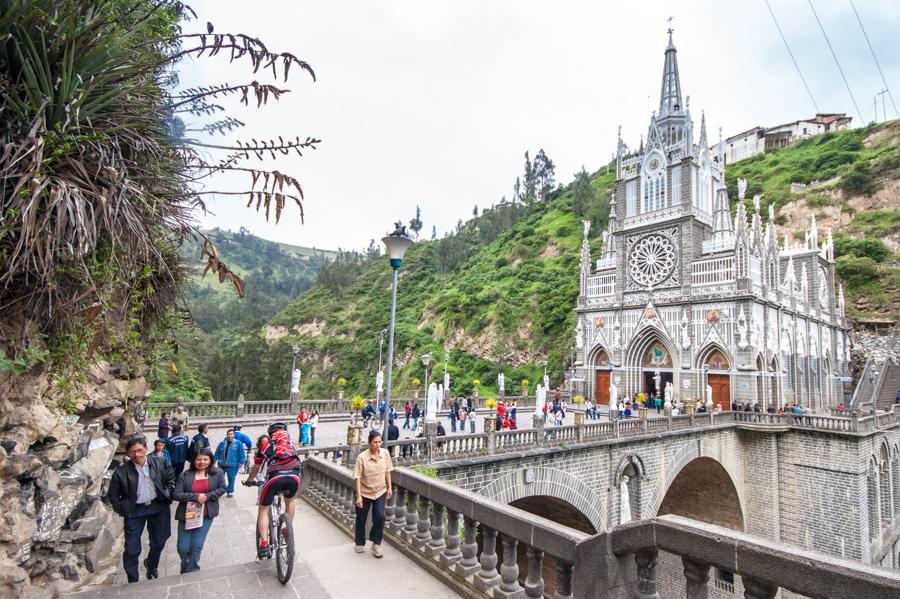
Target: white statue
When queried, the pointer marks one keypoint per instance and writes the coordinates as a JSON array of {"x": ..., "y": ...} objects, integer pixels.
[
  {"x": 379, "y": 382},
  {"x": 742, "y": 188},
  {"x": 579, "y": 334},
  {"x": 685, "y": 336},
  {"x": 624, "y": 501},
  {"x": 431, "y": 405},
  {"x": 501, "y": 382},
  {"x": 616, "y": 334},
  {"x": 439, "y": 397},
  {"x": 546, "y": 382},
  {"x": 539, "y": 400},
  {"x": 708, "y": 397},
  {"x": 756, "y": 199},
  {"x": 669, "y": 395},
  {"x": 742, "y": 329},
  {"x": 754, "y": 335},
  {"x": 295, "y": 381},
  {"x": 613, "y": 395},
  {"x": 587, "y": 226},
  {"x": 446, "y": 385}
]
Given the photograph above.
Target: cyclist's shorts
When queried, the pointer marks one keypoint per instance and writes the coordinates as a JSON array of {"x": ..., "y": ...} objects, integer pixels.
[{"x": 283, "y": 483}]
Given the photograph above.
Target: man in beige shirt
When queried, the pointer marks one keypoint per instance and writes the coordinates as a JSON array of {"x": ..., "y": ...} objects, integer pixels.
[{"x": 372, "y": 474}]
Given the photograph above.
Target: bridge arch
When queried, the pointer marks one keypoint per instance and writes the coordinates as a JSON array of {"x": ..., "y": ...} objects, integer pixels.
[
  {"x": 700, "y": 484},
  {"x": 512, "y": 488}
]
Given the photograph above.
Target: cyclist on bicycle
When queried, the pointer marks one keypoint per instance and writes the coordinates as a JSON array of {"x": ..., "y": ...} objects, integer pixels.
[
  {"x": 278, "y": 455},
  {"x": 368, "y": 413}
]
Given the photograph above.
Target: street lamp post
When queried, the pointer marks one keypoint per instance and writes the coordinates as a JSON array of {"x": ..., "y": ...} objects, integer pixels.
[
  {"x": 295, "y": 379},
  {"x": 396, "y": 243},
  {"x": 426, "y": 360}
]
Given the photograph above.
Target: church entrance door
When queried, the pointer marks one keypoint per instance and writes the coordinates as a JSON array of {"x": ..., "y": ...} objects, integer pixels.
[
  {"x": 601, "y": 387},
  {"x": 721, "y": 390},
  {"x": 650, "y": 382}
]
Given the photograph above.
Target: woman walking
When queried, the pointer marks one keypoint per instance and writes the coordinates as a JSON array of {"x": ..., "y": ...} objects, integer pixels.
[
  {"x": 313, "y": 423},
  {"x": 198, "y": 488}
]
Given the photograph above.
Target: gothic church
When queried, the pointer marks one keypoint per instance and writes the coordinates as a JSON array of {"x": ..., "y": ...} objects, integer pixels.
[{"x": 683, "y": 293}]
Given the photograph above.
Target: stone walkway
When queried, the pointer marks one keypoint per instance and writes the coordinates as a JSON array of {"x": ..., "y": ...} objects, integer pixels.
[{"x": 326, "y": 566}]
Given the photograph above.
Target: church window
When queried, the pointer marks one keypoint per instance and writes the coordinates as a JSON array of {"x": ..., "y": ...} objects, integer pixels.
[
  {"x": 647, "y": 184},
  {"x": 771, "y": 278},
  {"x": 631, "y": 198},
  {"x": 661, "y": 185},
  {"x": 676, "y": 185},
  {"x": 741, "y": 262}
]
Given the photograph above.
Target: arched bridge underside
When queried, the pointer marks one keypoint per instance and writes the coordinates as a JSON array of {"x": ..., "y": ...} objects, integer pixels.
[{"x": 548, "y": 482}]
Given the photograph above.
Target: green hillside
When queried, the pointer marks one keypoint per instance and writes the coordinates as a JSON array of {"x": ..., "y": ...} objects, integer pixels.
[
  {"x": 499, "y": 292},
  {"x": 273, "y": 274}
]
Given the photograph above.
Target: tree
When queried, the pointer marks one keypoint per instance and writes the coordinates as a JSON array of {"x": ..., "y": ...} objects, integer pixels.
[
  {"x": 856, "y": 271},
  {"x": 475, "y": 211},
  {"x": 583, "y": 195},
  {"x": 544, "y": 175},
  {"x": 517, "y": 191},
  {"x": 530, "y": 192},
  {"x": 416, "y": 223},
  {"x": 433, "y": 231}
]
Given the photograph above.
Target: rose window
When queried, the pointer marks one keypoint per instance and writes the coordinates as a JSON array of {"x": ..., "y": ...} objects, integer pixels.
[{"x": 652, "y": 260}]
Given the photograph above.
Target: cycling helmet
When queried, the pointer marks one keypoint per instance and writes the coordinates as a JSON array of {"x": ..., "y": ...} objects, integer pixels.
[
  {"x": 277, "y": 426},
  {"x": 236, "y": 427}
]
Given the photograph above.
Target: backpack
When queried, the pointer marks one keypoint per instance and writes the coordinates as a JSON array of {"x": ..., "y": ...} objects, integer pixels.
[
  {"x": 282, "y": 446},
  {"x": 196, "y": 446}
]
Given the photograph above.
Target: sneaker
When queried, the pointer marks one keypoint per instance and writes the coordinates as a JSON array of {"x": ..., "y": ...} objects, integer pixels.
[
  {"x": 376, "y": 550},
  {"x": 231, "y": 494},
  {"x": 264, "y": 551},
  {"x": 360, "y": 548}
]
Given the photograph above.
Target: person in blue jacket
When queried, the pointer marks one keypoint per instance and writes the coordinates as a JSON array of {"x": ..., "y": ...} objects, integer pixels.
[
  {"x": 248, "y": 443},
  {"x": 177, "y": 446},
  {"x": 230, "y": 456}
]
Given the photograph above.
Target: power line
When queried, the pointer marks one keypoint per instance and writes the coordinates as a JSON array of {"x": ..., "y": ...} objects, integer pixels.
[
  {"x": 791, "y": 54},
  {"x": 875, "y": 58},
  {"x": 840, "y": 70}
]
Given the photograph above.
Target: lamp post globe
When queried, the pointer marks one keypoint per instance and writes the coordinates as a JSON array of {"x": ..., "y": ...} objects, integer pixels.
[
  {"x": 396, "y": 244},
  {"x": 426, "y": 360}
]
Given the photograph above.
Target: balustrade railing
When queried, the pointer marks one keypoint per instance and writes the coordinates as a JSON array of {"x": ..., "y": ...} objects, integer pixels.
[{"x": 440, "y": 526}]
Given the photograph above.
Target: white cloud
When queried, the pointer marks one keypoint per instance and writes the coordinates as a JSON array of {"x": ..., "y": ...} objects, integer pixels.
[{"x": 434, "y": 103}]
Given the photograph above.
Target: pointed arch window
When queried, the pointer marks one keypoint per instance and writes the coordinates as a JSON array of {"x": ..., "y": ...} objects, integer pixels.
[{"x": 741, "y": 262}]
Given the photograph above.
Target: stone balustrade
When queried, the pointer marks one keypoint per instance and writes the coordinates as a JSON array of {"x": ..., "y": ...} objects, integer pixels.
[{"x": 438, "y": 525}]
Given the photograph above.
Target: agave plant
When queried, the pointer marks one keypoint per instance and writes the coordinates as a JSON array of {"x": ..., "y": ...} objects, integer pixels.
[{"x": 98, "y": 179}]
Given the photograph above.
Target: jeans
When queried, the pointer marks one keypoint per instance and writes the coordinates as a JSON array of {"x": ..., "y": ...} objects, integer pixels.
[
  {"x": 190, "y": 545},
  {"x": 157, "y": 518},
  {"x": 362, "y": 513},
  {"x": 406, "y": 422},
  {"x": 231, "y": 472},
  {"x": 312, "y": 436},
  {"x": 453, "y": 425},
  {"x": 415, "y": 423}
]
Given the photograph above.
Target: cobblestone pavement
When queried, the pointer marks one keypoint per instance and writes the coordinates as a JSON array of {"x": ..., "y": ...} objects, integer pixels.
[{"x": 326, "y": 566}]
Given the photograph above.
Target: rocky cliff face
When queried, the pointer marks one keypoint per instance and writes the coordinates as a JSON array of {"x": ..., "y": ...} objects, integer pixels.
[{"x": 56, "y": 533}]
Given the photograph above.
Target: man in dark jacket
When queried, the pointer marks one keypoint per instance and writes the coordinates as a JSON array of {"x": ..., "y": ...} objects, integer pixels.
[
  {"x": 177, "y": 446},
  {"x": 393, "y": 435},
  {"x": 200, "y": 441},
  {"x": 140, "y": 491}
]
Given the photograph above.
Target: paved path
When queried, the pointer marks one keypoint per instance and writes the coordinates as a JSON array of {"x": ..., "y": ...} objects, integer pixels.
[{"x": 326, "y": 566}]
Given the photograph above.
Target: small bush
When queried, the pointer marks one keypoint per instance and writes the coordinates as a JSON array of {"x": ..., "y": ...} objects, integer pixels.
[
  {"x": 859, "y": 180},
  {"x": 855, "y": 270},
  {"x": 867, "y": 247}
]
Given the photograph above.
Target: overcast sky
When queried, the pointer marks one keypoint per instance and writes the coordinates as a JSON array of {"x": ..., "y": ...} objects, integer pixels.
[{"x": 433, "y": 103}]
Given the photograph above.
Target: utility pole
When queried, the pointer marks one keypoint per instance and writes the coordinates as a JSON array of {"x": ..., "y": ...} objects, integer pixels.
[{"x": 883, "y": 109}]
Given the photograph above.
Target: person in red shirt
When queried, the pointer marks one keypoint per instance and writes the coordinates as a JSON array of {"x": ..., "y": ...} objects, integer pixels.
[{"x": 302, "y": 417}]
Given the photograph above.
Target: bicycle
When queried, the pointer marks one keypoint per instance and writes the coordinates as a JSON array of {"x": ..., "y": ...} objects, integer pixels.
[
  {"x": 281, "y": 535},
  {"x": 374, "y": 422}
]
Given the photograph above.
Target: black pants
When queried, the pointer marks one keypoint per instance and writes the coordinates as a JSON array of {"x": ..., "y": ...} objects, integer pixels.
[
  {"x": 157, "y": 517},
  {"x": 362, "y": 513},
  {"x": 178, "y": 468}
]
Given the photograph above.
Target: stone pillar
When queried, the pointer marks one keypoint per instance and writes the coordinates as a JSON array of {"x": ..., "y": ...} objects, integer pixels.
[
  {"x": 451, "y": 553},
  {"x": 294, "y": 396},
  {"x": 757, "y": 589},
  {"x": 412, "y": 517},
  {"x": 487, "y": 577},
  {"x": 423, "y": 533},
  {"x": 468, "y": 565},
  {"x": 509, "y": 572},
  {"x": 398, "y": 518},
  {"x": 534, "y": 581},
  {"x": 436, "y": 543},
  {"x": 696, "y": 576},
  {"x": 537, "y": 420},
  {"x": 239, "y": 411},
  {"x": 430, "y": 443},
  {"x": 646, "y": 575},
  {"x": 563, "y": 580}
]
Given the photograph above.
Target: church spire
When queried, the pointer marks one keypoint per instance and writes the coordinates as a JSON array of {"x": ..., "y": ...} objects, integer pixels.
[{"x": 670, "y": 91}]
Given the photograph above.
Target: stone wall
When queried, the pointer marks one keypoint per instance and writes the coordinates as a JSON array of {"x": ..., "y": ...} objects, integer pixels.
[{"x": 56, "y": 533}]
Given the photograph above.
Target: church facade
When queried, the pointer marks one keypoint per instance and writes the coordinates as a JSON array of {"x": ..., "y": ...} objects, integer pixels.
[{"x": 683, "y": 293}]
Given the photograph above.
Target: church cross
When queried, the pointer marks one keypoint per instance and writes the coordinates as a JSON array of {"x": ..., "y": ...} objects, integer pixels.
[{"x": 670, "y": 24}]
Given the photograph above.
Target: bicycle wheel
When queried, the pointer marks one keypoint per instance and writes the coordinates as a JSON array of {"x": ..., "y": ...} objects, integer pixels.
[{"x": 284, "y": 548}]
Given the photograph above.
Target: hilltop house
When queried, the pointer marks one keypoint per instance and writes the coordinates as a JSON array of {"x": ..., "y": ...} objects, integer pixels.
[{"x": 759, "y": 139}]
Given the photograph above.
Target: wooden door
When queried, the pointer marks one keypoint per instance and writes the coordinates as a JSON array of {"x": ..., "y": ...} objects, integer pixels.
[
  {"x": 601, "y": 387},
  {"x": 721, "y": 390}
]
